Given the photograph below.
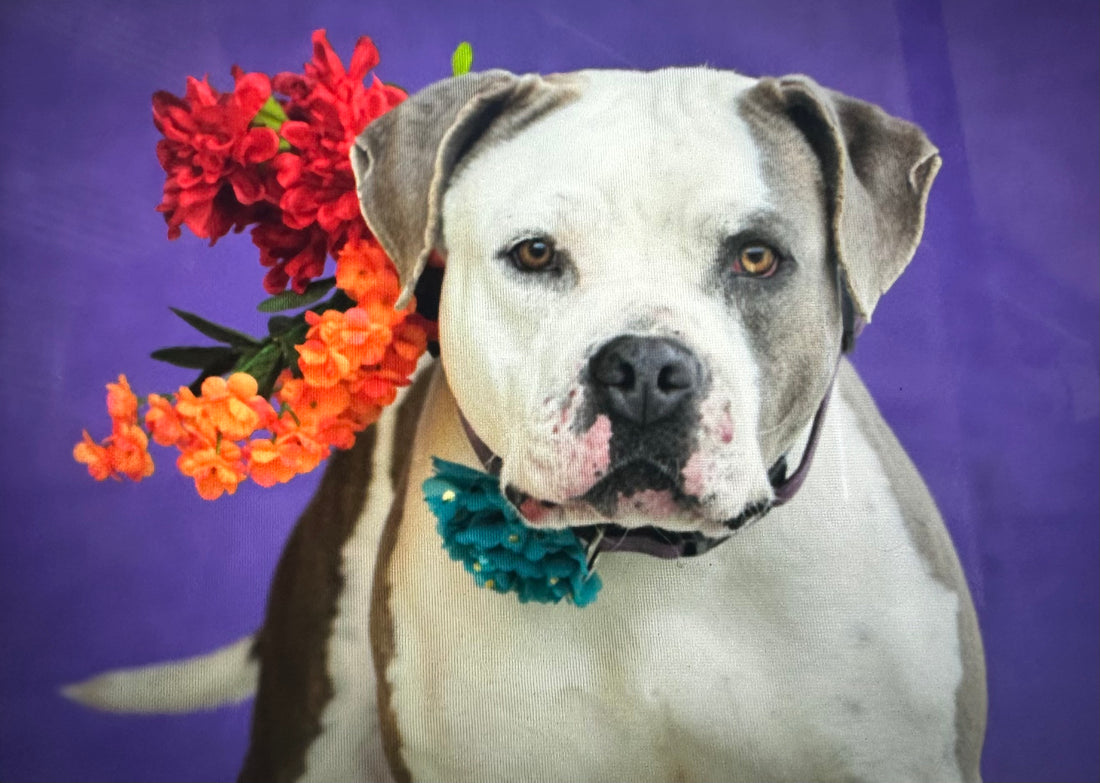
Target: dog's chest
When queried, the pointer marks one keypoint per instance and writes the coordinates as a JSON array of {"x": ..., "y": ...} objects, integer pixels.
[{"x": 784, "y": 654}]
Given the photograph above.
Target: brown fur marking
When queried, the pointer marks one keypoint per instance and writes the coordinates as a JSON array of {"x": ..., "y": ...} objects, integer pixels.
[
  {"x": 381, "y": 618},
  {"x": 294, "y": 685}
]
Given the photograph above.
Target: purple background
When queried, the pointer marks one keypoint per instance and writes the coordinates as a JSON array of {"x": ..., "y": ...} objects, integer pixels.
[{"x": 984, "y": 356}]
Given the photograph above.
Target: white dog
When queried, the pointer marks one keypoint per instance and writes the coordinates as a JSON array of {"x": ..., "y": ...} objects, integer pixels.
[{"x": 650, "y": 280}]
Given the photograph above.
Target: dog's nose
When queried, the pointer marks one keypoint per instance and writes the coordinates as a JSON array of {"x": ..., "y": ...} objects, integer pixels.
[{"x": 644, "y": 379}]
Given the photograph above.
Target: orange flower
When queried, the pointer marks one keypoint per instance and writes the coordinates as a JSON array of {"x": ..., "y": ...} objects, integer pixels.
[
  {"x": 310, "y": 403},
  {"x": 339, "y": 432},
  {"x": 409, "y": 342},
  {"x": 122, "y": 404},
  {"x": 164, "y": 423},
  {"x": 123, "y": 453},
  {"x": 129, "y": 448},
  {"x": 363, "y": 270},
  {"x": 322, "y": 366},
  {"x": 359, "y": 336},
  {"x": 328, "y": 415},
  {"x": 376, "y": 388},
  {"x": 227, "y": 407},
  {"x": 269, "y": 465},
  {"x": 277, "y": 461},
  {"x": 307, "y": 451},
  {"x": 95, "y": 456},
  {"x": 215, "y": 469},
  {"x": 381, "y": 312},
  {"x": 192, "y": 414},
  {"x": 365, "y": 337},
  {"x": 229, "y": 404}
]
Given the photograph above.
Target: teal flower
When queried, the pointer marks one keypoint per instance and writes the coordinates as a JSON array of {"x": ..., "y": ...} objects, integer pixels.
[{"x": 482, "y": 530}]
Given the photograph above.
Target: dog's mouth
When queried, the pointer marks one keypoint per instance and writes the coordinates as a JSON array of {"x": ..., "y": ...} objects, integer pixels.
[
  {"x": 639, "y": 489},
  {"x": 641, "y": 486}
]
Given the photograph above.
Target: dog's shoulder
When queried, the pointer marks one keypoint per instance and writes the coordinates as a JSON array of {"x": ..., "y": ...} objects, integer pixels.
[
  {"x": 922, "y": 517},
  {"x": 932, "y": 540}
]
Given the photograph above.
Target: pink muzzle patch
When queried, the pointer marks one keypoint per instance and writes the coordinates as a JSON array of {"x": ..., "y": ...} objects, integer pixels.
[{"x": 585, "y": 459}]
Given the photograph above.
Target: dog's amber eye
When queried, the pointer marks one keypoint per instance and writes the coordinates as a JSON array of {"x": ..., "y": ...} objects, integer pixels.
[
  {"x": 756, "y": 260},
  {"x": 533, "y": 254}
]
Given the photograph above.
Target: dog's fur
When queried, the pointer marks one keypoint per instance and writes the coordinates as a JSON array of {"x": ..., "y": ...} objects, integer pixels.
[{"x": 834, "y": 639}]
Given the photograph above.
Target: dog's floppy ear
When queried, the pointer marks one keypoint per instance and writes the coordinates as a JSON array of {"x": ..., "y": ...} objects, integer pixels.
[
  {"x": 404, "y": 159},
  {"x": 878, "y": 170}
]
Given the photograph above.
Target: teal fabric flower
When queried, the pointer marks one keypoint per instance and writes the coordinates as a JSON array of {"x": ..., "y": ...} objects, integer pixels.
[{"x": 481, "y": 529}]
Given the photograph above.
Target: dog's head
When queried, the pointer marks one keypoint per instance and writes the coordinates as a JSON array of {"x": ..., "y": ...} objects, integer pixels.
[{"x": 645, "y": 274}]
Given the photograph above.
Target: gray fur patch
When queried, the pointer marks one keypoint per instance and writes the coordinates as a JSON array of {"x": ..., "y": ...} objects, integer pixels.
[
  {"x": 793, "y": 319},
  {"x": 931, "y": 539},
  {"x": 878, "y": 172},
  {"x": 404, "y": 160}
]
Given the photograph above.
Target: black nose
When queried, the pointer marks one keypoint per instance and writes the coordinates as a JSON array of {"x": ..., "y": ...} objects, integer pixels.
[{"x": 644, "y": 379}]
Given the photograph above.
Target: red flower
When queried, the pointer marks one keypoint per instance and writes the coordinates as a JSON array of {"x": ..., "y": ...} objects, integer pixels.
[
  {"x": 225, "y": 170},
  {"x": 333, "y": 100},
  {"x": 211, "y": 155},
  {"x": 328, "y": 107},
  {"x": 292, "y": 254}
]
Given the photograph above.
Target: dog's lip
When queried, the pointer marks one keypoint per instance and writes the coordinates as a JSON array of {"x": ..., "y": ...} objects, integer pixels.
[
  {"x": 637, "y": 478},
  {"x": 667, "y": 476},
  {"x": 749, "y": 512},
  {"x": 517, "y": 497},
  {"x": 652, "y": 540},
  {"x": 667, "y": 481}
]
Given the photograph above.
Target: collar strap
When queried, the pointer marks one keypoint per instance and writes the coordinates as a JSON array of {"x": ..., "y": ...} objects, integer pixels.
[
  {"x": 490, "y": 461},
  {"x": 785, "y": 487}
]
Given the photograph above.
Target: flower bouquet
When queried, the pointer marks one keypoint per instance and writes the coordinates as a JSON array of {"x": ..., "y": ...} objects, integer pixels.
[{"x": 271, "y": 156}]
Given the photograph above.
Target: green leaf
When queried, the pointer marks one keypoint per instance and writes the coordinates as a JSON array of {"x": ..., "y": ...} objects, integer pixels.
[
  {"x": 278, "y": 325},
  {"x": 463, "y": 59},
  {"x": 197, "y": 357},
  {"x": 339, "y": 301},
  {"x": 290, "y": 356},
  {"x": 291, "y": 300},
  {"x": 264, "y": 366},
  {"x": 271, "y": 115},
  {"x": 222, "y": 334}
]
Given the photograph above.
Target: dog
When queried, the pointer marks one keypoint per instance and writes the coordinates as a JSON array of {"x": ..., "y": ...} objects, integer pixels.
[{"x": 646, "y": 284}]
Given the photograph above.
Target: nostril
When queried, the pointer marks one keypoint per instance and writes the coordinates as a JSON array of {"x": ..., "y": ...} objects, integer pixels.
[
  {"x": 616, "y": 373},
  {"x": 624, "y": 376},
  {"x": 674, "y": 377}
]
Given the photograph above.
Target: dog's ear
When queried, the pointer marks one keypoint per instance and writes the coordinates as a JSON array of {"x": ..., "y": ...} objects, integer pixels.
[
  {"x": 878, "y": 170},
  {"x": 404, "y": 159}
]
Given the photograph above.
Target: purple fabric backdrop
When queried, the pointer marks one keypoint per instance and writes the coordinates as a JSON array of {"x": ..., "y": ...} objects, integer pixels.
[{"x": 983, "y": 357}]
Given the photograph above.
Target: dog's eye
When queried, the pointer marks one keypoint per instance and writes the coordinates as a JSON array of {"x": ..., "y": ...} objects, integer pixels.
[
  {"x": 756, "y": 261},
  {"x": 533, "y": 254}
]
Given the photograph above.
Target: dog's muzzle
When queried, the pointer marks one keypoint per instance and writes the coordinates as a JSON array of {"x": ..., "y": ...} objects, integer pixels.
[
  {"x": 658, "y": 542},
  {"x": 649, "y": 389}
]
